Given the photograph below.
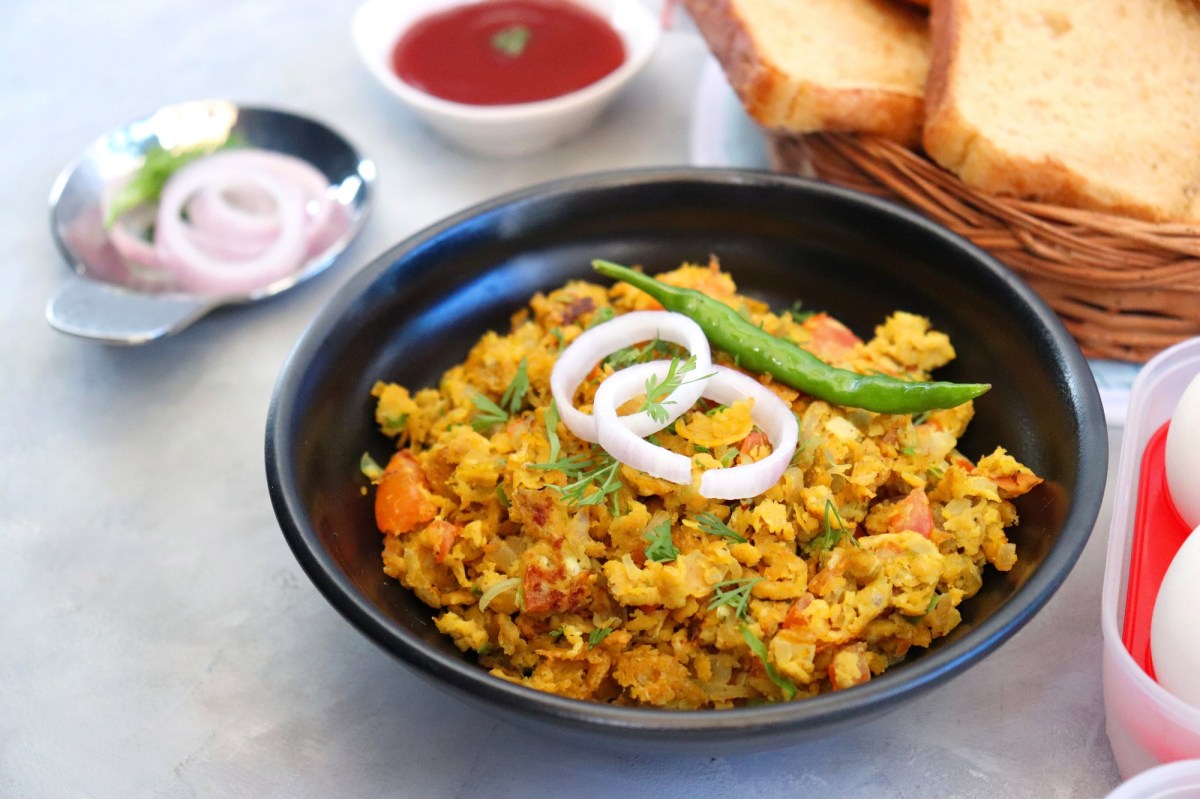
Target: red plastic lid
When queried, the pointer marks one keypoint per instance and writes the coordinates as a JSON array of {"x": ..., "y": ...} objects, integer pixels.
[{"x": 1158, "y": 533}]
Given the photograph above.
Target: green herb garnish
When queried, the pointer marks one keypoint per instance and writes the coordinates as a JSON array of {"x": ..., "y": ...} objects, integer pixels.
[
  {"x": 734, "y": 594},
  {"x": 551, "y": 417},
  {"x": 657, "y": 390},
  {"x": 511, "y": 40},
  {"x": 514, "y": 394},
  {"x": 599, "y": 471},
  {"x": 158, "y": 165},
  {"x": 490, "y": 414},
  {"x": 760, "y": 649},
  {"x": 598, "y": 635},
  {"x": 661, "y": 548},
  {"x": 710, "y": 524},
  {"x": 835, "y": 529},
  {"x": 641, "y": 353}
]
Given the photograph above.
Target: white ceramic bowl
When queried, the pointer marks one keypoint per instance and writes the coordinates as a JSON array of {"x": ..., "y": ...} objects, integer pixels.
[{"x": 504, "y": 130}]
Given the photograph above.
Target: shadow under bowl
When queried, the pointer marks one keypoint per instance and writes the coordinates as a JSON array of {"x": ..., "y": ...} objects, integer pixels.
[{"x": 420, "y": 306}]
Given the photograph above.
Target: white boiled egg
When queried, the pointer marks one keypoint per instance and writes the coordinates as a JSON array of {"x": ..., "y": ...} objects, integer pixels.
[
  {"x": 1182, "y": 459},
  {"x": 1175, "y": 625}
]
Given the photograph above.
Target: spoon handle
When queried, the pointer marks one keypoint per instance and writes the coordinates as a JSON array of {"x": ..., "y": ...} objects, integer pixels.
[{"x": 105, "y": 312}]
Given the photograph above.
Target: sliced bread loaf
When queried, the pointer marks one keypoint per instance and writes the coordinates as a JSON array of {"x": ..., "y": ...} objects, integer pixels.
[
  {"x": 1088, "y": 104},
  {"x": 806, "y": 65}
]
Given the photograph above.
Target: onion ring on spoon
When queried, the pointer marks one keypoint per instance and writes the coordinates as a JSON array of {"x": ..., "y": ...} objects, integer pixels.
[
  {"x": 578, "y": 360},
  {"x": 199, "y": 271}
]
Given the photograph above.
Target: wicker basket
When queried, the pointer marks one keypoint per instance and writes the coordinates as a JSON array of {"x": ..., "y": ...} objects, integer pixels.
[{"x": 1126, "y": 289}]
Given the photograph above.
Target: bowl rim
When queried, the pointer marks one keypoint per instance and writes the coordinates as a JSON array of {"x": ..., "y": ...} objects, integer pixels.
[
  {"x": 640, "y": 32},
  {"x": 879, "y": 694}
]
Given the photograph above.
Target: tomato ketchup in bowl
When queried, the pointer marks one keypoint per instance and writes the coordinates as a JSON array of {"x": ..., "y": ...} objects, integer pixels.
[
  {"x": 506, "y": 77},
  {"x": 507, "y": 51}
]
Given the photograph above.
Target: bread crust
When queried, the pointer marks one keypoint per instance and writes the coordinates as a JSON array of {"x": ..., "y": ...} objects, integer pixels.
[
  {"x": 959, "y": 144},
  {"x": 795, "y": 104}
]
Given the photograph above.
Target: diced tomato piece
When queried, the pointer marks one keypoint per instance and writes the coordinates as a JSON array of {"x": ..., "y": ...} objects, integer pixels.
[
  {"x": 757, "y": 438},
  {"x": 448, "y": 533},
  {"x": 912, "y": 513},
  {"x": 403, "y": 500},
  {"x": 795, "y": 615},
  {"x": 831, "y": 339}
]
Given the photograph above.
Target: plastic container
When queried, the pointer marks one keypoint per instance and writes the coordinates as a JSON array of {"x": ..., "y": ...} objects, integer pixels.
[
  {"x": 1147, "y": 726},
  {"x": 1179, "y": 780}
]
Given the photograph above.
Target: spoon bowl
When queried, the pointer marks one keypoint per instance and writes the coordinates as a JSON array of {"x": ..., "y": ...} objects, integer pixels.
[{"x": 104, "y": 300}]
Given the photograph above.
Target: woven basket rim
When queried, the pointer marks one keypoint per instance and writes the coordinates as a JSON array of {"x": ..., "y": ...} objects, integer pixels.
[{"x": 1125, "y": 288}]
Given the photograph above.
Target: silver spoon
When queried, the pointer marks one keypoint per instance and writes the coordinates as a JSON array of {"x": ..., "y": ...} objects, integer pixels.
[{"x": 91, "y": 304}]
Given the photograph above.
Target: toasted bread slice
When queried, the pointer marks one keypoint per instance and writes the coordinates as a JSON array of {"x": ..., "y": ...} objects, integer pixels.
[
  {"x": 1092, "y": 105},
  {"x": 806, "y": 65}
]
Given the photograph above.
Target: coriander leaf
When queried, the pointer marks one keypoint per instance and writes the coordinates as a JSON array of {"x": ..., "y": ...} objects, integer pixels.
[
  {"x": 734, "y": 594},
  {"x": 598, "y": 635},
  {"x": 551, "y": 417},
  {"x": 158, "y": 165},
  {"x": 835, "y": 529},
  {"x": 599, "y": 471},
  {"x": 657, "y": 391},
  {"x": 490, "y": 414},
  {"x": 514, "y": 394},
  {"x": 661, "y": 548},
  {"x": 511, "y": 41},
  {"x": 760, "y": 649},
  {"x": 710, "y": 524}
]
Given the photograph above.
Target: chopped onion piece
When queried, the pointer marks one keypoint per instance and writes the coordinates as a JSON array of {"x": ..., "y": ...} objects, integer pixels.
[
  {"x": 585, "y": 352},
  {"x": 726, "y": 386},
  {"x": 496, "y": 590}
]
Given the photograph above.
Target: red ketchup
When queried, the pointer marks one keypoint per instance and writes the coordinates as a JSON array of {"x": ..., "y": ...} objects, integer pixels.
[{"x": 498, "y": 52}]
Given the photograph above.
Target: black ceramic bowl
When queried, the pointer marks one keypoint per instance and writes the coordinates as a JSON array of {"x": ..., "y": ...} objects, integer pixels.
[{"x": 417, "y": 309}]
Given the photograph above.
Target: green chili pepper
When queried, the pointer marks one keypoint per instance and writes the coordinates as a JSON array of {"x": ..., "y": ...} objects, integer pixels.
[{"x": 759, "y": 351}]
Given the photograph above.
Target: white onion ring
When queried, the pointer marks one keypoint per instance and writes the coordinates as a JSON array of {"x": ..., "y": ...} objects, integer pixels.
[
  {"x": 773, "y": 417},
  {"x": 200, "y": 271},
  {"x": 626, "y": 445},
  {"x": 578, "y": 360},
  {"x": 726, "y": 386}
]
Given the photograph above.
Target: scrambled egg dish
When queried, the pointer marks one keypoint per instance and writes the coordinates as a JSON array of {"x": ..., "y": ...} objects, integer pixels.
[{"x": 567, "y": 571}]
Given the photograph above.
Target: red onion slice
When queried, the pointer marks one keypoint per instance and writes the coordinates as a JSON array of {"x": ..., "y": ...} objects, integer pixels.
[
  {"x": 201, "y": 271},
  {"x": 580, "y": 358}
]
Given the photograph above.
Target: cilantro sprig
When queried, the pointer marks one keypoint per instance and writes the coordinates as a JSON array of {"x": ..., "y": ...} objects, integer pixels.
[
  {"x": 835, "y": 529},
  {"x": 661, "y": 548},
  {"x": 594, "y": 478},
  {"x": 492, "y": 414},
  {"x": 597, "y": 635},
  {"x": 760, "y": 650},
  {"x": 511, "y": 41},
  {"x": 734, "y": 594},
  {"x": 158, "y": 165},
  {"x": 710, "y": 524},
  {"x": 658, "y": 391}
]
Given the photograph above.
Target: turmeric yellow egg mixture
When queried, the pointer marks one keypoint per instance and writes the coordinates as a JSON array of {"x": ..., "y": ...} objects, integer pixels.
[{"x": 567, "y": 571}]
